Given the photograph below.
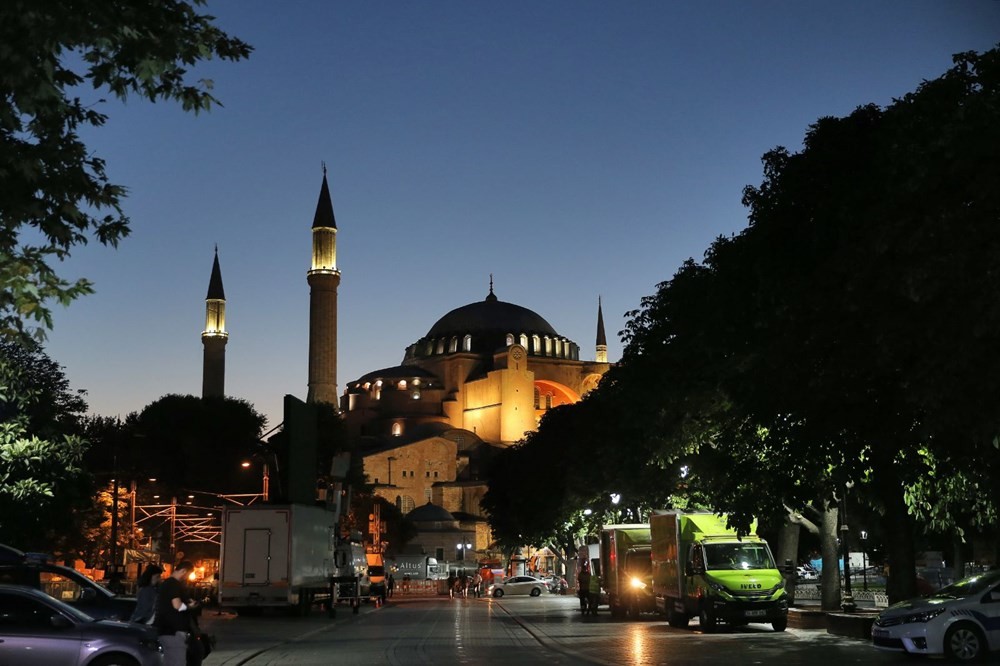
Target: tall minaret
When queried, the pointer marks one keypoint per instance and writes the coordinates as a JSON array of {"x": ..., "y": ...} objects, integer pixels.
[
  {"x": 602, "y": 340},
  {"x": 323, "y": 278},
  {"x": 214, "y": 337}
]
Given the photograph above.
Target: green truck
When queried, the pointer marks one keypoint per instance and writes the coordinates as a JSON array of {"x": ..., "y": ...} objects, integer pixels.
[
  {"x": 702, "y": 569},
  {"x": 625, "y": 563}
]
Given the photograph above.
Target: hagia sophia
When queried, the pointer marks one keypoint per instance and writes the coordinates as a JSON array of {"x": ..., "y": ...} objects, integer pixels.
[{"x": 475, "y": 382}]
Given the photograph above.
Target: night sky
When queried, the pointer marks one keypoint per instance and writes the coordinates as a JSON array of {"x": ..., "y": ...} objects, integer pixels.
[{"x": 572, "y": 149}]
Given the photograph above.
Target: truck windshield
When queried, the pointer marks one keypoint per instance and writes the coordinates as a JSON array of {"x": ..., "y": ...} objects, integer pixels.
[{"x": 722, "y": 556}]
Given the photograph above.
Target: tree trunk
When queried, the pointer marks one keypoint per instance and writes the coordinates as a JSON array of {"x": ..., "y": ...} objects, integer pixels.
[
  {"x": 788, "y": 551},
  {"x": 957, "y": 558},
  {"x": 830, "y": 582},
  {"x": 897, "y": 526}
]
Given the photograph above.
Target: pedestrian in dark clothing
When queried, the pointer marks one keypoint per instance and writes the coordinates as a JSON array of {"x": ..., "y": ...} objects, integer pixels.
[
  {"x": 145, "y": 604},
  {"x": 451, "y": 583},
  {"x": 583, "y": 587},
  {"x": 390, "y": 585},
  {"x": 172, "y": 622}
]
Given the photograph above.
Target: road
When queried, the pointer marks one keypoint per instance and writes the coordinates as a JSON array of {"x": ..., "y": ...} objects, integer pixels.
[{"x": 523, "y": 631}]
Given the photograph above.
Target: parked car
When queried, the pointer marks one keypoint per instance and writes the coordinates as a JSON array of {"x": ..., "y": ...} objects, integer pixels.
[
  {"x": 37, "y": 630},
  {"x": 68, "y": 585},
  {"x": 519, "y": 585},
  {"x": 806, "y": 572},
  {"x": 960, "y": 621}
]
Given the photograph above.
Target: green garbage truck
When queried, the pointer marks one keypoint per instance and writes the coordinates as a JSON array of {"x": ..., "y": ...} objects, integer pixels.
[
  {"x": 625, "y": 562},
  {"x": 702, "y": 569}
]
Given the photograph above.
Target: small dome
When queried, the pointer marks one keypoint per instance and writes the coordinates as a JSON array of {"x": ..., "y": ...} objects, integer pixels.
[
  {"x": 430, "y": 513},
  {"x": 399, "y": 372}
]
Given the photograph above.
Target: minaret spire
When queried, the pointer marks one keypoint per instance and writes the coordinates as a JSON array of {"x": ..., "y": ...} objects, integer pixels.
[
  {"x": 491, "y": 297},
  {"x": 324, "y": 279},
  {"x": 602, "y": 340},
  {"x": 214, "y": 337}
]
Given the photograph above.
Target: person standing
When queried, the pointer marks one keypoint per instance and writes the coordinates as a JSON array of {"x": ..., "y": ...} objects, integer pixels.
[
  {"x": 171, "y": 620},
  {"x": 390, "y": 585},
  {"x": 451, "y": 583},
  {"x": 145, "y": 604},
  {"x": 583, "y": 587},
  {"x": 594, "y": 593}
]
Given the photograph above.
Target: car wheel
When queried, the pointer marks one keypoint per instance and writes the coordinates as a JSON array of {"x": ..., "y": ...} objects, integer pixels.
[
  {"x": 535, "y": 591},
  {"x": 780, "y": 625},
  {"x": 706, "y": 620},
  {"x": 497, "y": 594},
  {"x": 115, "y": 660},
  {"x": 964, "y": 642}
]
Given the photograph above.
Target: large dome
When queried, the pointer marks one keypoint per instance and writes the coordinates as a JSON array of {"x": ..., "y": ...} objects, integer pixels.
[{"x": 490, "y": 316}]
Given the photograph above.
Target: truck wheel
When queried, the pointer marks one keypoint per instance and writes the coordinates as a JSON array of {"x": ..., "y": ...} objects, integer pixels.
[
  {"x": 677, "y": 620},
  {"x": 780, "y": 625},
  {"x": 706, "y": 620}
]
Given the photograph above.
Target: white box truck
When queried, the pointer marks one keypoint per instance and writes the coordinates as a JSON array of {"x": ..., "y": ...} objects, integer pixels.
[{"x": 276, "y": 556}]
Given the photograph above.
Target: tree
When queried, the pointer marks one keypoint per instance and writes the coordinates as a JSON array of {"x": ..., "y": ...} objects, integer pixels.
[
  {"x": 56, "y": 194},
  {"x": 851, "y": 326},
  {"x": 41, "y": 478}
]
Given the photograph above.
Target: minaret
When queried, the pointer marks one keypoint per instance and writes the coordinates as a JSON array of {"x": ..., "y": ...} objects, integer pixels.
[
  {"x": 323, "y": 278},
  {"x": 214, "y": 337},
  {"x": 602, "y": 340}
]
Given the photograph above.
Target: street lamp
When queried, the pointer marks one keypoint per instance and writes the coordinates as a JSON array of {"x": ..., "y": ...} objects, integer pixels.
[
  {"x": 462, "y": 547},
  {"x": 864, "y": 557},
  {"x": 265, "y": 477}
]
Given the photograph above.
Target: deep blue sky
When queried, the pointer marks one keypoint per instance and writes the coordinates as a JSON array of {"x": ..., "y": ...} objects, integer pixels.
[{"x": 573, "y": 149}]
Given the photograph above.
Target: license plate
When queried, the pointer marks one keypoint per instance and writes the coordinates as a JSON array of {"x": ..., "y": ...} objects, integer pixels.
[{"x": 755, "y": 613}]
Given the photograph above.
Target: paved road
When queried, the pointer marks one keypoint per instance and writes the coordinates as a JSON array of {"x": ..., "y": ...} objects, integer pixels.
[{"x": 523, "y": 631}]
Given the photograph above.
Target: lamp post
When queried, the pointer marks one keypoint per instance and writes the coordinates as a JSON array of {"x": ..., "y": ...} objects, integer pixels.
[
  {"x": 848, "y": 602},
  {"x": 265, "y": 491},
  {"x": 864, "y": 558},
  {"x": 462, "y": 547}
]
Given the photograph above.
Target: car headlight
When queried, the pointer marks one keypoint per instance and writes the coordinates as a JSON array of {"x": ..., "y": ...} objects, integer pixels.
[
  {"x": 637, "y": 584},
  {"x": 923, "y": 616}
]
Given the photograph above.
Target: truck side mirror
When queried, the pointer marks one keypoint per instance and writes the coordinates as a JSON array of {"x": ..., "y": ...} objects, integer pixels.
[{"x": 789, "y": 568}]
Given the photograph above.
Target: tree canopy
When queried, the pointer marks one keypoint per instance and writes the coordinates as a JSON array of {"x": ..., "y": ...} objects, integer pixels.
[{"x": 56, "y": 58}]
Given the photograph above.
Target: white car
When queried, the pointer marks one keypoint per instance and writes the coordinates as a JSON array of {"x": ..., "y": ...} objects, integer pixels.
[
  {"x": 960, "y": 621},
  {"x": 519, "y": 585},
  {"x": 806, "y": 572}
]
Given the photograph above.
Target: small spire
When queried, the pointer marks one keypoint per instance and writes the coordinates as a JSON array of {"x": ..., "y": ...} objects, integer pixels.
[
  {"x": 215, "y": 290},
  {"x": 602, "y": 340},
  {"x": 324, "y": 207},
  {"x": 323, "y": 164},
  {"x": 491, "y": 296}
]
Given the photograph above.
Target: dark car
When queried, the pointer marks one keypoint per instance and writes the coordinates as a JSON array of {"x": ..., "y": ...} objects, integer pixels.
[
  {"x": 67, "y": 585},
  {"x": 37, "y": 630}
]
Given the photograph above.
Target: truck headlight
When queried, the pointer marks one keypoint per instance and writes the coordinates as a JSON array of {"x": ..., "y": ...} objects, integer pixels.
[{"x": 637, "y": 584}]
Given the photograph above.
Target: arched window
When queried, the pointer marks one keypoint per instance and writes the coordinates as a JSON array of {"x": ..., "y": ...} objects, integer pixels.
[
  {"x": 429, "y": 348},
  {"x": 453, "y": 345},
  {"x": 548, "y": 401},
  {"x": 510, "y": 339},
  {"x": 397, "y": 429},
  {"x": 440, "y": 346},
  {"x": 536, "y": 345},
  {"x": 401, "y": 385},
  {"x": 548, "y": 346},
  {"x": 467, "y": 343},
  {"x": 558, "y": 347},
  {"x": 524, "y": 340},
  {"x": 406, "y": 505}
]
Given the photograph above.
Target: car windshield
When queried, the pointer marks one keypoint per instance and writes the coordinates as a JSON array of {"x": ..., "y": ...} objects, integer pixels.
[
  {"x": 968, "y": 587},
  {"x": 722, "y": 556}
]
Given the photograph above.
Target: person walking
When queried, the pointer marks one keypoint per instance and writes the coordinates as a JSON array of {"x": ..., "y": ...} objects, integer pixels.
[
  {"x": 451, "y": 584},
  {"x": 149, "y": 586},
  {"x": 583, "y": 587},
  {"x": 390, "y": 585},
  {"x": 171, "y": 620}
]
